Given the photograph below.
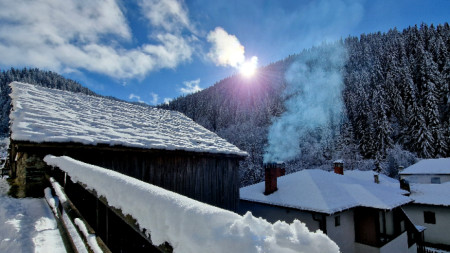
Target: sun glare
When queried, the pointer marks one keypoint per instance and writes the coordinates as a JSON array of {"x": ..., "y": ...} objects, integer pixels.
[{"x": 248, "y": 68}]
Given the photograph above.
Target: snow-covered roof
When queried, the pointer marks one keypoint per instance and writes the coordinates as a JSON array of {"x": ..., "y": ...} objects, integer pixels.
[
  {"x": 368, "y": 176},
  {"x": 326, "y": 192},
  {"x": 47, "y": 115},
  {"x": 431, "y": 194},
  {"x": 429, "y": 166}
]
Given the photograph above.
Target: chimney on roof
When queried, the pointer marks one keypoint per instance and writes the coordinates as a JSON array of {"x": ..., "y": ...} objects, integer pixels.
[
  {"x": 272, "y": 172},
  {"x": 376, "y": 178},
  {"x": 404, "y": 185},
  {"x": 339, "y": 167}
]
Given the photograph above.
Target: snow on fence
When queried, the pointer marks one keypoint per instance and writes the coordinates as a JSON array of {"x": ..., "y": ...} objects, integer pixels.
[
  {"x": 65, "y": 212},
  {"x": 188, "y": 225}
]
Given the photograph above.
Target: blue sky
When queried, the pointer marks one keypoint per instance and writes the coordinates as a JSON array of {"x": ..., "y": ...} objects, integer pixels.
[{"x": 155, "y": 50}]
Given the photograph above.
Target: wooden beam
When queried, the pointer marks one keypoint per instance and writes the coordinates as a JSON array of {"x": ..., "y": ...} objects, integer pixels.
[
  {"x": 121, "y": 148},
  {"x": 72, "y": 212}
]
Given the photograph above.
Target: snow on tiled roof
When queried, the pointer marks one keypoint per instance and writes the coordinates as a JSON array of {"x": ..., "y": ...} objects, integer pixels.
[
  {"x": 47, "y": 115},
  {"x": 325, "y": 192},
  {"x": 429, "y": 166},
  {"x": 431, "y": 194},
  {"x": 368, "y": 175}
]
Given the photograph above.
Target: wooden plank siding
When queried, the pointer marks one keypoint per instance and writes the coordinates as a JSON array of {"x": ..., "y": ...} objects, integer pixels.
[{"x": 209, "y": 178}]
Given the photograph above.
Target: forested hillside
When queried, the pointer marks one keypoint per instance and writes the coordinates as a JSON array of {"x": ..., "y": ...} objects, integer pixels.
[
  {"x": 395, "y": 97},
  {"x": 34, "y": 76}
]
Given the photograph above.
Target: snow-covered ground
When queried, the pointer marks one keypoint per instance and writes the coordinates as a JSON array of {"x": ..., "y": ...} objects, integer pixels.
[{"x": 27, "y": 225}]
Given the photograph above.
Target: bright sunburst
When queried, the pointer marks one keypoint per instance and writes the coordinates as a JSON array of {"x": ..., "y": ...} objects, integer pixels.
[{"x": 248, "y": 68}]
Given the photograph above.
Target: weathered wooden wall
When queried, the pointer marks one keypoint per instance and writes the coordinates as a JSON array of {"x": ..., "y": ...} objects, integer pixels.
[{"x": 210, "y": 178}]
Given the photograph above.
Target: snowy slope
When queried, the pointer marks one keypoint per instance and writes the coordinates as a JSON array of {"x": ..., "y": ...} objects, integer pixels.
[
  {"x": 27, "y": 225},
  {"x": 48, "y": 115},
  {"x": 189, "y": 225},
  {"x": 429, "y": 166},
  {"x": 325, "y": 192}
]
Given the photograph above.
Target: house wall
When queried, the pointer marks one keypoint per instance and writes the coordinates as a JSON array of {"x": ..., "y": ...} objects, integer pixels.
[
  {"x": 363, "y": 248},
  {"x": 276, "y": 213},
  {"x": 343, "y": 235},
  {"x": 399, "y": 244},
  {"x": 424, "y": 179},
  {"x": 210, "y": 178},
  {"x": 435, "y": 233}
]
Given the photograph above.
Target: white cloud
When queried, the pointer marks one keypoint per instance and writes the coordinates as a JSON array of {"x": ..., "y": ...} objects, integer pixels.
[
  {"x": 172, "y": 50},
  {"x": 135, "y": 97},
  {"x": 83, "y": 34},
  {"x": 171, "y": 15},
  {"x": 226, "y": 49},
  {"x": 191, "y": 86},
  {"x": 154, "y": 98}
]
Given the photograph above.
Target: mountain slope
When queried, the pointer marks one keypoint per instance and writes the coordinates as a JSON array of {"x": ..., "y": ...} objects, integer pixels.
[{"x": 396, "y": 104}]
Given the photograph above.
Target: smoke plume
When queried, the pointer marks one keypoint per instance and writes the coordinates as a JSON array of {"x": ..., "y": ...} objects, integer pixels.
[{"x": 313, "y": 97}]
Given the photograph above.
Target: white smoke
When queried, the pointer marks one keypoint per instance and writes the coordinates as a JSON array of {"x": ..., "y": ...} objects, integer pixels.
[{"x": 313, "y": 97}]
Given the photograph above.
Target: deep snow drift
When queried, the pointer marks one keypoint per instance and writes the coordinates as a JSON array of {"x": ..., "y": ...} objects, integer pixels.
[{"x": 189, "y": 225}]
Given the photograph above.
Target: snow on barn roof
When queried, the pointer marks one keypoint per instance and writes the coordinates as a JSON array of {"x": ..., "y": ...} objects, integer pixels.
[
  {"x": 326, "y": 192},
  {"x": 429, "y": 166},
  {"x": 47, "y": 115},
  {"x": 431, "y": 194}
]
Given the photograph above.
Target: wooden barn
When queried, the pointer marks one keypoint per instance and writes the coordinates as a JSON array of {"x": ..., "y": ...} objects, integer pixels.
[{"x": 161, "y": 147}]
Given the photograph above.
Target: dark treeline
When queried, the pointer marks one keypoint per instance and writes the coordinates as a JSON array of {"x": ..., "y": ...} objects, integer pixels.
[
  {"x": 33, "y": 76},
  {"x": 396, "y": 97}
]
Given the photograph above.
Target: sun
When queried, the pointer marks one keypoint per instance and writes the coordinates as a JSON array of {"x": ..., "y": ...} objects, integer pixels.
[{"x": 248, "y": 68}]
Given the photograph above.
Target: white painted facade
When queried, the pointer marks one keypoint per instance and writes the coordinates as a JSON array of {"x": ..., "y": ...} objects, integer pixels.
[
  {"x": 344, "y": 234},
  {"x": 438, "y": 233},
  {"x": 425, "y": 178}
]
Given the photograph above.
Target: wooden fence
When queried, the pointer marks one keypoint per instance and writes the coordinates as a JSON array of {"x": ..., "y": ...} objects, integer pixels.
[{"x": 116, "y": 231}]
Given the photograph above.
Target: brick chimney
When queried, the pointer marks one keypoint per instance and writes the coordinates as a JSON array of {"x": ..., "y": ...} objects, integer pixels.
[
  {"x": 339, "y": 167},
  {"x": 272, "y": 172}
]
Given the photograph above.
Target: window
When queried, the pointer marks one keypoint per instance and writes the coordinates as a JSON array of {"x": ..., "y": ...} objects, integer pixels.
[
  {"x": 337, "y": 221},
  {"x": 429, "y": 217},
  {"x": 435, "y": 180}
]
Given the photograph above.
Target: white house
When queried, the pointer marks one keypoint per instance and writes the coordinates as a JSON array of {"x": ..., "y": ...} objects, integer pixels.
[
  {"x": 431, "y": 209},
  {"x": 358, "y": 214},
  {"x": 434, "y": 171}
]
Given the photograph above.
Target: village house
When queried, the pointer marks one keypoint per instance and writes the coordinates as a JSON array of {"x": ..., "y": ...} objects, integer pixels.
[
  {"x": 429, "y": 183},
  {"x": 359, "y": 214},
  {"x": 428, "y": 171},
  {"x": 161, "y": 147},
  {"x": 431, "y": 210}
]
